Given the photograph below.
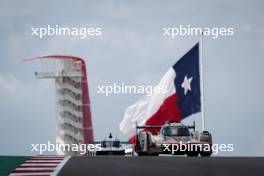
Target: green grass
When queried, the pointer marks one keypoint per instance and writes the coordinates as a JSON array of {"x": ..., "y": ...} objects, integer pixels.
[{"x": 9, "y": 163}]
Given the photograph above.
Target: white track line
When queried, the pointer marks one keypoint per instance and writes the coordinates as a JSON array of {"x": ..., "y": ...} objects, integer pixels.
[
  {"x": 49, "y": 156},
  {"x": 55, "y": 167},
  {"x": 44, "y": 161},
  {"x": 31, "y": 164},
  {"x": 59, "y": 167},
  {"x": 35, "y": 168},
  {"x": 33, "y": 158},
  {"x": 45, "y": 156}
]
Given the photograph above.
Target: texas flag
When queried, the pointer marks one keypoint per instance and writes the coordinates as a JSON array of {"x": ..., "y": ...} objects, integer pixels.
[{"x": 181, "y": 99}]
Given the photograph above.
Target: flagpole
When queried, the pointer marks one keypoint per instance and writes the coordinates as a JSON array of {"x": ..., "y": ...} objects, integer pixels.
[{"x": 202, "y": 80}]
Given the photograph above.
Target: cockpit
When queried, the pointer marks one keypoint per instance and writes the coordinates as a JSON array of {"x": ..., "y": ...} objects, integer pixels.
[
  {"x": 115, "y": 143},
  {"x": 175, "y": 131}
]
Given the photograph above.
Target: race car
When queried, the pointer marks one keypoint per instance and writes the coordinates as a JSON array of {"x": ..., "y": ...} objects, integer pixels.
[
  {"x": 172, "y": 138},
  {"x": 112, "y": 146}
]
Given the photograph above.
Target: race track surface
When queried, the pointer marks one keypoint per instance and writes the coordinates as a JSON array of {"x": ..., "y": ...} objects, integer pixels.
[{"x": 163, "y": 166}]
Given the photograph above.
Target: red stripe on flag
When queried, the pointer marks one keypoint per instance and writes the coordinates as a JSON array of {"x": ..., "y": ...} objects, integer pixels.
[{"x": 168, "y": 111}]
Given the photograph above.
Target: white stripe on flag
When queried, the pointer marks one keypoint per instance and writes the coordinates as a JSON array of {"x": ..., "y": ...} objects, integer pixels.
[{"x": 147, "y": 106}]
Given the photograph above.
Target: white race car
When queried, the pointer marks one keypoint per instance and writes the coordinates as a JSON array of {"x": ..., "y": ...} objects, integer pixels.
[
  {"x": 112, "y": 146},
  {"x": 172, "y": 138}
]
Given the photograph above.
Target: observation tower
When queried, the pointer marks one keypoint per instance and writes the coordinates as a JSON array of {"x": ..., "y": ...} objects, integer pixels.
[{"x": 73, "y": 113}]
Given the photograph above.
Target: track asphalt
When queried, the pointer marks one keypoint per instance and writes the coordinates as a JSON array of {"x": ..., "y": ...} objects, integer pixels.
[{"x": 163, "y": 166}]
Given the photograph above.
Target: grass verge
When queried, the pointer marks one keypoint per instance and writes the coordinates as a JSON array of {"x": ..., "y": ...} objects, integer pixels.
[{"x": 9, "y": 163}]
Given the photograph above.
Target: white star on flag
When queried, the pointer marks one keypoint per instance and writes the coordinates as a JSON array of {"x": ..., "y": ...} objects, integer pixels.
[{"x": 186, "y": 84}]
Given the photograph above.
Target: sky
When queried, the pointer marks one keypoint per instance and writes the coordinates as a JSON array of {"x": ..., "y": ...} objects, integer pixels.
[{"x": 132, "y": 50}]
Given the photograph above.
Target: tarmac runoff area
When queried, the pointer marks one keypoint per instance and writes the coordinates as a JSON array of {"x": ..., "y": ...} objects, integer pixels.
[{"x": 163, "y": 166}]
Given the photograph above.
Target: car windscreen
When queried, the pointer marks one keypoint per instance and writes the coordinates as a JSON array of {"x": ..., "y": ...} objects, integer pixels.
[
  {"x": 175, "y": 131},
  {"x": 105, "y": 144}
]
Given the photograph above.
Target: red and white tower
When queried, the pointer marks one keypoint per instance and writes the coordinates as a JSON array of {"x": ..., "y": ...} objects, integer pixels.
[{"x": 74, "y": 120}]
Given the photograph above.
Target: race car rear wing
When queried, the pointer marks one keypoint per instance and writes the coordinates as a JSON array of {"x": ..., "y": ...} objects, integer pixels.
[
  {"x": 159, "y": 126},
  {"x": 192, "y": 126},
  {"x": 121, "y": 142},
  {"x": 148, "y": 127}
]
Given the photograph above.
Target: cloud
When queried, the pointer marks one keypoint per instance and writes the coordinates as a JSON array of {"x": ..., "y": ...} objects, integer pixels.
[
  {"x": 16, "y": 91},
  {"x": 28, "y": 114}
]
